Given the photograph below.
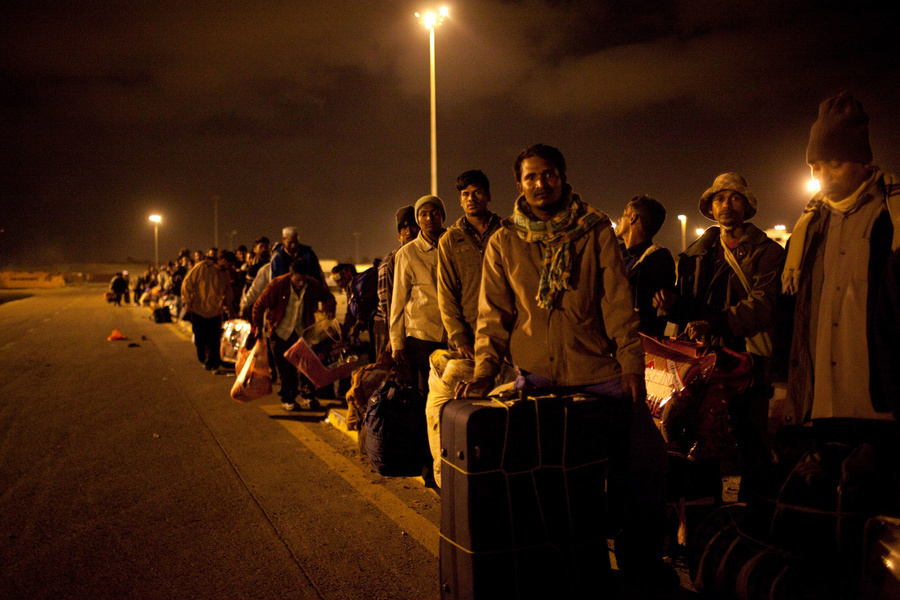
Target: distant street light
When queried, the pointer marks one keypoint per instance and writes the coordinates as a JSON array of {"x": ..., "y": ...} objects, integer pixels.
[
  {"x": 156, "y": 221},
  {"x": 683, "y": 220},
  {"x": 431, "y": 21},
  {"x": 813, "y": 186},
  {"x": 215, "y": 200},
  {"x": 699, "y": 231}
]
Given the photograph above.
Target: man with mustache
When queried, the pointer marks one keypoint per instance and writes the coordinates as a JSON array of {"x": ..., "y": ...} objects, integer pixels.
[
  {"x": 556, "y": 302},
  {"x": 728, "y": 283},
  {"x": 712, "y": 304}
]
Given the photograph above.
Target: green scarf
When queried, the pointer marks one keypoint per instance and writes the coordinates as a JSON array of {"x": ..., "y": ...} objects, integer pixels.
[{"x": 574, "y": 220}]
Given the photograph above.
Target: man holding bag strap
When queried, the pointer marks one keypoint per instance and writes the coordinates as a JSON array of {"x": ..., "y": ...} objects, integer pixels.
[
  {"x": 728, "y": 280},
  {"x": 286, "y": 307},
  {"x": 726, "y": 295}
]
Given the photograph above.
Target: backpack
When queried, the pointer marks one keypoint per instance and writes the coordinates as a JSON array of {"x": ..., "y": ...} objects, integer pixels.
[{"x": 364, "y": 297}]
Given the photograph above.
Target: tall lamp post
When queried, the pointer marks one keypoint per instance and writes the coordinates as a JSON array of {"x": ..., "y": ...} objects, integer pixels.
[
  {"x": 156, "y": 221},
  {"x": 431, "y": 21},
  {"x": 683, "y": 220}
]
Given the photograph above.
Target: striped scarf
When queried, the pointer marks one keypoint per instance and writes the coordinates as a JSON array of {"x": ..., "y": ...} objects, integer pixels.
[{"x": 556, "y": 236}]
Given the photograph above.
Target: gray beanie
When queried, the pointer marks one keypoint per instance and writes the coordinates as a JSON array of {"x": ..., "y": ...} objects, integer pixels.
[
  {"x": 841, "y": 132},
  {"x": 430, "y": 200},
  {"x": 406, "y": 216}
]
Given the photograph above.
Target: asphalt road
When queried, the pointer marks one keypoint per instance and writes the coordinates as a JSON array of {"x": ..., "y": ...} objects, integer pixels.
[{"x": 126, "y": 471}]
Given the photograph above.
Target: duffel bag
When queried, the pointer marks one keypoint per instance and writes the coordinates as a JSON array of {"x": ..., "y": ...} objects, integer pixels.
[{"x": 396, "y": 441}]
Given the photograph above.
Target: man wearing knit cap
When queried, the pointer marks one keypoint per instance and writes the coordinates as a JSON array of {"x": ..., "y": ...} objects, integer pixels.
[
  {"x": 407, "y": 231},
  {"x": 835, "y": 267},
  {"x": 416, "y": 329}
]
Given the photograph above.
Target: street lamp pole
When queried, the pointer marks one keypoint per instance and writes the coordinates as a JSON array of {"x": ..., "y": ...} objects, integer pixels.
[
  {"x": 431, "y": 21},
  {"x": 156, "y": 220},
  {"x": 683, "y": 220}
]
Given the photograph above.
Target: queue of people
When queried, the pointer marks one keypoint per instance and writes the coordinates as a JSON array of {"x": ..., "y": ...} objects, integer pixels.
[{"x": 555, "y": 295}]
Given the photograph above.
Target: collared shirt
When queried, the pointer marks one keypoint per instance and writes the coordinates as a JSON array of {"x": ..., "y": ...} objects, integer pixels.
[
  {"x": 292, "y": 321},
  {"x": 840, "y": 352},
  {"x": 414, "y": 305},
  {"x": 460, "y": 256},
  {"x": 477, "y": 238}
]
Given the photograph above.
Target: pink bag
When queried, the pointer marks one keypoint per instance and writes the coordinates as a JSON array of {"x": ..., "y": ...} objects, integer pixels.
[
  {"x": 308, "y": 362},
  {"x": 253, "y": 379}
]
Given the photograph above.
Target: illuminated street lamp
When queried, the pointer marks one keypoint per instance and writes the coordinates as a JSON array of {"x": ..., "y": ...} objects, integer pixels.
[
  {"x": 813, "y": 186},
  {"x": 699, "y": 231},
  {"x": 431, "y": 21},
  {"x": 683, "y": 220},
  {"x": 156, "y": 221}
]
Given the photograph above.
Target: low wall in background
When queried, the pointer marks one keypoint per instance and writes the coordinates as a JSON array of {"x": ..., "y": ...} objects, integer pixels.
[{"x": 13, "y": 280}]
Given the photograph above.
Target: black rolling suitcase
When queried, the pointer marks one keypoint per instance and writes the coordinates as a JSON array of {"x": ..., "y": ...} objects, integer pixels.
[{"x": 523, "y": 497}]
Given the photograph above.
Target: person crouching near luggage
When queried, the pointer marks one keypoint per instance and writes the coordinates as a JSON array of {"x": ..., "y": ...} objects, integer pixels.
[
  {"x": 555, "y": 299},
  {"x": 286, "y": 307}
]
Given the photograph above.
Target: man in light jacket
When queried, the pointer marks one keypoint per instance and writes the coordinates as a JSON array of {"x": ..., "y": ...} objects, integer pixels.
[
  {"x": 556, "y": 302},
  {"x": 206, "y": 293},
  {"x": 416, "y": 328},
  {"x": 460, "y": 255}
]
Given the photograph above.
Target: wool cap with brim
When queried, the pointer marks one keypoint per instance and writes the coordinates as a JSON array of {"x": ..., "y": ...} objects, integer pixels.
[
  {"x": 735, "y": 183},
  {"x": 840, "y": 133},
  {"x": 406, "y": 216},
  {"x": 430, "y": 200}
]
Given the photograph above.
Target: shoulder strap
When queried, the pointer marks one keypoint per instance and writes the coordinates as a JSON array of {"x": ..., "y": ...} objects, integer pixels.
[
  {"x": 733, "y": 263},
  {"x": 761, "y": 343}
]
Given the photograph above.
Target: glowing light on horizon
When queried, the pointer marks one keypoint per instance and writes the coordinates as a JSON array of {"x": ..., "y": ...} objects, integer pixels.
[
  {"x": 780, "y": 228},
  {"x": 813, "y": 186}
]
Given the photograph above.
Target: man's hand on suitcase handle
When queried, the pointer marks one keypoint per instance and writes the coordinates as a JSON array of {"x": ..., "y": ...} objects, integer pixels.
[
  {"x": 633, "y": 385},
  {"x": 477, "y": 388}
]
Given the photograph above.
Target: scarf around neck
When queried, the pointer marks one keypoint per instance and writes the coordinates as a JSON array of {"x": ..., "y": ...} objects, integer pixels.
[
  {"x": 790, "y": 277},
  {"x": 556, "y": 235}
]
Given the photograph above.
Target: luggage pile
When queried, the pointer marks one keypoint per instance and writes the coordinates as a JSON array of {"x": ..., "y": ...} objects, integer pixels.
[{"x": 805, "y": 542}]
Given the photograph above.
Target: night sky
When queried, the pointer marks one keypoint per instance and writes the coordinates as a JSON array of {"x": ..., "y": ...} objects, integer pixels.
[{"x": 317, "y": 114}]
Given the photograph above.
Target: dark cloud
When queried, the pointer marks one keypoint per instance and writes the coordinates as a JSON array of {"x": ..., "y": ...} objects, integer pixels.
[{"x": 316, "y": 114}]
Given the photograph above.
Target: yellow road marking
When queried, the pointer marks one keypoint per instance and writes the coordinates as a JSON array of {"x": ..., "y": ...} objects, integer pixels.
[{"x": 417, "y": 526}]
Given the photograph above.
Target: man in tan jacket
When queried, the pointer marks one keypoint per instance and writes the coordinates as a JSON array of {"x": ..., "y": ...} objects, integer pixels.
[
  {"x": 556, "y": 302},
  {"x": 206, "y": 294}
]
